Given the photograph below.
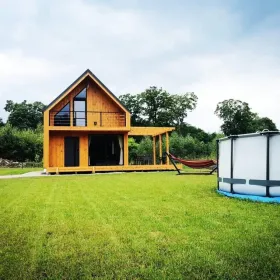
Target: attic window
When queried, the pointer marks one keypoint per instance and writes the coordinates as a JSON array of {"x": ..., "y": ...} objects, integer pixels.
[
  {"x": 82, "y": 95},
  {"x": 80, "y": 108},
  {"x": 62, "y": 117}
]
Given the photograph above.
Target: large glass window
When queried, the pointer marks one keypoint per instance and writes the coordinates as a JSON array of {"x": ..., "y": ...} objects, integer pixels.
[
  {"x": 80, "y": 110},
  {"x": 62, "y": 118}
]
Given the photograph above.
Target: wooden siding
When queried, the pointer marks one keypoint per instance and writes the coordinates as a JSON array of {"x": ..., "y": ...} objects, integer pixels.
[
  {"x": 56, "y": 148},
  {"x": 97, "y": 101},
  {"x": 84, "y": 150},
  {"x": 56, "y": 151},
  {"x": 56, "y": 154},
  {"x": 46, "y": 145}
]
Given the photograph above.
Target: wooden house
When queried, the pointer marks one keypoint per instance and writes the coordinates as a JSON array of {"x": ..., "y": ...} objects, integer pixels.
[{"x": 86, "y": 129}]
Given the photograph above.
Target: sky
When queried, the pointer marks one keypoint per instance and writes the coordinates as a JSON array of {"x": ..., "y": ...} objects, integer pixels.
[{"x": 218, "y": 49}]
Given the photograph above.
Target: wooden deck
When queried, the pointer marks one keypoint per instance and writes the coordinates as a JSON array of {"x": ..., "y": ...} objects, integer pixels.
[{"x": 117, "y": 168}]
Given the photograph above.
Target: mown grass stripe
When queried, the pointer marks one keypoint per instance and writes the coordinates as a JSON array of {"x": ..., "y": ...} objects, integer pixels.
[{"x": 134, "y": 226}]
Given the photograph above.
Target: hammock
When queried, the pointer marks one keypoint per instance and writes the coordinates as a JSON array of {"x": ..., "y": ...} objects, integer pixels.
[{"x": 195, "y": 164}]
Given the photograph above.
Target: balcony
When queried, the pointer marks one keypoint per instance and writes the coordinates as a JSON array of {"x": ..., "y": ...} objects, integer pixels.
[{"x": 89, "y": 119}]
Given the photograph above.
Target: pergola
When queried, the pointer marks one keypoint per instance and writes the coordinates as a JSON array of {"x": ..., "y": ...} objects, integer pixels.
[{"x": 154, "y": 132}]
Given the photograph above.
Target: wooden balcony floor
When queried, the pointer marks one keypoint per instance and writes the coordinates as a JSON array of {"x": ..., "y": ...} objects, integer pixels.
[{"x": 89, "y": 128}]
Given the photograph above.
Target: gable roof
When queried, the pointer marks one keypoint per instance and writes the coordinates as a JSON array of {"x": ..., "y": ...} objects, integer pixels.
[{"x": 87, "y": 73}]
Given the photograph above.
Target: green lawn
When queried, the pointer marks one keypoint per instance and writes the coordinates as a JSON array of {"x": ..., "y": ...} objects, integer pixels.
[
  {"x": 17, "y": 171},
  {"x": 134, "y": 226}
]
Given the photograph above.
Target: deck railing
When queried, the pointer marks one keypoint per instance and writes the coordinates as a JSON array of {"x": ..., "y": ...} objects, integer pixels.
[{"x": 89, "y": 118}]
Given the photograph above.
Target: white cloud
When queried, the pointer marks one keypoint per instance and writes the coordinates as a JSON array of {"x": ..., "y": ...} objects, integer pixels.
[
  {"x": 17, "y": 68},
  {"x": 23, "y": 77},
  {"x": 203, "y": 49}
]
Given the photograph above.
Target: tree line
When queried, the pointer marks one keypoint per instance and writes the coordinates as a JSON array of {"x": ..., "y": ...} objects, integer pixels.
[
  {"x": 238, "y": 118},
  {"x": 21, "y": 136}
]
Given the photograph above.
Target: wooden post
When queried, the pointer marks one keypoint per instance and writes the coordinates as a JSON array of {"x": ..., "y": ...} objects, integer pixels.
[
  {"x": 167, "y": 147},
  {"x": 125, "y": 149},
  {"x": 160, "y": 148},
  {"x": 71, "y": 112},
  {"x": 46, "y": 139},
  {"x": 154, "y": 150}
]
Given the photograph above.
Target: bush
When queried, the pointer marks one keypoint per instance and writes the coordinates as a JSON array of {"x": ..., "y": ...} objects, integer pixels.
[
  {"x": 21, "y": 145},
  {"x": 145, "y": 147},
  {"x": 185, "y": 147},
  {"x": 133, "y": 149}
]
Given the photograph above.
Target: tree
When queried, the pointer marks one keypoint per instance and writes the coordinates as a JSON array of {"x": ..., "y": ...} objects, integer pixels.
[
  {"x": 181, "y": 105},
  {"x": 265, "y": 123},
  {"x": 1, "y": 122},
  {"x": 133, "y": 103},
  {"x": 187, "y": 129},
  {"x": 155, "y": 102},
  {"x": 25, "y": 115},
  {"x": 237, "y": 117},
  {"x": 157, "y": 107}
]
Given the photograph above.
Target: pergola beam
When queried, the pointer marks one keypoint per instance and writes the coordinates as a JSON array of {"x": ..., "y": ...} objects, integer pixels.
[{"x": 149, "y": 131}]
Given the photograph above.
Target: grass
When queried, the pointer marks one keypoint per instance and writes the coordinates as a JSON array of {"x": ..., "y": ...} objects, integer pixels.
[
  {"x": 16, "y": 171},
  {"x": 134, "y": 226}
]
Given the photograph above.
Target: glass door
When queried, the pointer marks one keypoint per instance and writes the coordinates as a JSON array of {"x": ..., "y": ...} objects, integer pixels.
[{"x": 71, "y": 151}]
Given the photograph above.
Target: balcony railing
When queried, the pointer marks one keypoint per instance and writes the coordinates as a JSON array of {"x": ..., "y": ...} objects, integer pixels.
[{"x": 89, "y": 119}]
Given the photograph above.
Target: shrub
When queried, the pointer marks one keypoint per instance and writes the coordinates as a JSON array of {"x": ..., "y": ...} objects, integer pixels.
[
  {"x": 21, "y": 145},
  {"x": 185, "y": 147}
]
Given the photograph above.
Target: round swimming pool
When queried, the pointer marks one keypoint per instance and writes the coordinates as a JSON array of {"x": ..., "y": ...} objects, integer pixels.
[{"x": 249, "y": 165}]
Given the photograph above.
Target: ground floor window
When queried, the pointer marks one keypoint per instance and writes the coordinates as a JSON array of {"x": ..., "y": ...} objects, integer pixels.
[{"x": 105, "y": 149}]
